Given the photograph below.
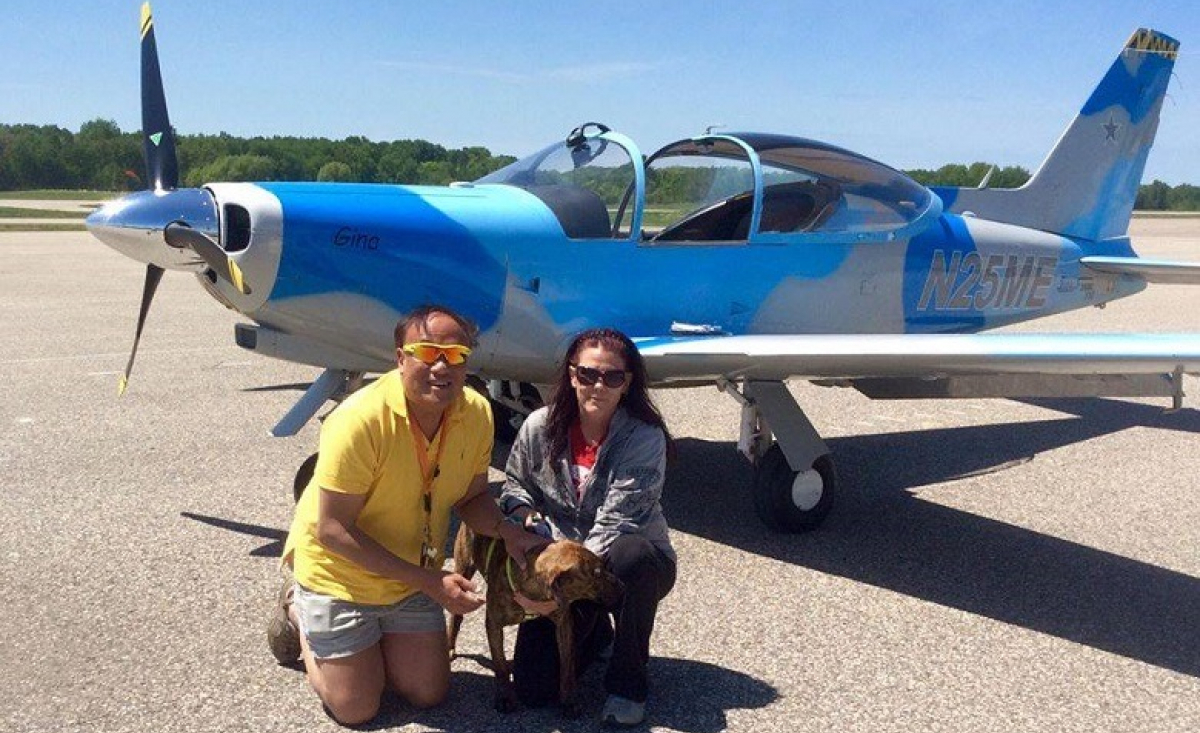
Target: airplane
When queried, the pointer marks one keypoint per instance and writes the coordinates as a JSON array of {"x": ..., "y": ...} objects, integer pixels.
[{"x": 739, "y": 260}]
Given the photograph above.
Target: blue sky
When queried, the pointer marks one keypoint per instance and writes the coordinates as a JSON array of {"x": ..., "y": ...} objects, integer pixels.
[{"x": 911, "y": 84}]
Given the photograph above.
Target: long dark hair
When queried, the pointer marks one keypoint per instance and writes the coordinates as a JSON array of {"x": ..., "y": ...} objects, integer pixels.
[{"x": 564, "y": 408}]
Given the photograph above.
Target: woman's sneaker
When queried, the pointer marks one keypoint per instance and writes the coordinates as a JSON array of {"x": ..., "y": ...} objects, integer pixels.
[
  {"x": 623, "y": 712},
  {"x": 282, "y": 635}
]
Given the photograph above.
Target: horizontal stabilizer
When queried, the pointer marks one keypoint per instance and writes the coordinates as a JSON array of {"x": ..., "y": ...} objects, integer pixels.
[
  {"x": 1152, "y": 271},
  {"x": 847, "y": 356}
]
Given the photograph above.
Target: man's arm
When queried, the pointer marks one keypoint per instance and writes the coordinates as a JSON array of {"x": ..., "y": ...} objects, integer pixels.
[
  {"x": 337, "y": 529},
  {"x": 479, "y": 511}
]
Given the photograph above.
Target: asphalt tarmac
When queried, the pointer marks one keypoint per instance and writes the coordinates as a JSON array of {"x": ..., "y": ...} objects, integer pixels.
[{"x": 990, "y": 564}]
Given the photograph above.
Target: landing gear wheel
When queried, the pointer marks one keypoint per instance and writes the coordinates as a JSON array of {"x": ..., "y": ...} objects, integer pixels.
[
  {"x": 793, "y": 501},
  {"x": 502, "y": 417},
  {"x": 304, "y": 474},
  {"x": 508, "y": 419}
]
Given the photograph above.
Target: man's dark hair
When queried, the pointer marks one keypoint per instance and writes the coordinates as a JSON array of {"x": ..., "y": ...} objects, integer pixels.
[{"x": 420, "y": 315}]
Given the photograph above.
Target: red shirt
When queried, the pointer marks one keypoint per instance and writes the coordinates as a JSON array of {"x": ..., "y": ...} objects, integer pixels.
[{"x": 583, "y": 458}]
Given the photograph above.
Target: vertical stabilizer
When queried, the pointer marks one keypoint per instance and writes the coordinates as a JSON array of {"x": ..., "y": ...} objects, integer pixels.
[{"x": 1086, "y": 187}]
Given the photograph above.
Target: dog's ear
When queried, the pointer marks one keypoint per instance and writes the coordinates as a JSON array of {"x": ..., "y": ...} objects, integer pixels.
[{"x": 561, "y": 587}]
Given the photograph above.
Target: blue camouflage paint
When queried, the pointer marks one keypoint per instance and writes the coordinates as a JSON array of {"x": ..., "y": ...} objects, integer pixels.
[
  {"x": 1116, "y": 194},
  {"x": 402, "y": 246},
  {"x": 948, "y": 195},
  {"x": 1135, "y": 92},
  {"x": 618, "y": 283},
  {"x": 950, "y": 234}
]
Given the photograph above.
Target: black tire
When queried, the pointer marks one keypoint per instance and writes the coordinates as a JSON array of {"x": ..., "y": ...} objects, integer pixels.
[
  {"x": 773, "y": 496},
  {"x": 502, "y": 416},
  {"x": 304, "y": 474},
  {"x": 507, "y": 420}
]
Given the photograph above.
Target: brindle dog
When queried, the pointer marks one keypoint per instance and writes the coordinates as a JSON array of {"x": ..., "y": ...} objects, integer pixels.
[{"x": 564, "y": 571}]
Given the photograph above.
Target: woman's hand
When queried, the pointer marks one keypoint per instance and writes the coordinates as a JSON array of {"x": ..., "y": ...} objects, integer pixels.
[
  {"x": 536, "y": 523},
  {"x": 535, "y": 608},
  {"x": 518, "y": 542}
]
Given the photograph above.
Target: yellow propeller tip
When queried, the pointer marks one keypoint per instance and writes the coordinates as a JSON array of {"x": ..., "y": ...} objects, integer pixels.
[
  {"x": 121, "y": 385},
  {"x": 235, "y": 274},
  {"x": 146, "y": 19}
]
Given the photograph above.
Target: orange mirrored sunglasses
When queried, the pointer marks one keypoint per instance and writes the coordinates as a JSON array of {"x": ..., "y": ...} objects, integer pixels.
[{"x": 429, "y": 353}]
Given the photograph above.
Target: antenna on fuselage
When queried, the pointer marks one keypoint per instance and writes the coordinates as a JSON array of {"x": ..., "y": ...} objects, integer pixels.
[{"x": 987, "y": 177}]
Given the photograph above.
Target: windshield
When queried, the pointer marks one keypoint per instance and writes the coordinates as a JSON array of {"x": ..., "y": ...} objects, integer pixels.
[{"x": 582, "y": 181}]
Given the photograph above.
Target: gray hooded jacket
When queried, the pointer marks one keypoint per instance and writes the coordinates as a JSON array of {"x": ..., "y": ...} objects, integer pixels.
[{"x": 621, "y": 496}]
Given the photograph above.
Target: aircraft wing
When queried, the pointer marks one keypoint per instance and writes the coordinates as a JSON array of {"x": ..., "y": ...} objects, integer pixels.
[
  {"x": 850, "y": 356},
  {"x": 1152, "y": 271}
]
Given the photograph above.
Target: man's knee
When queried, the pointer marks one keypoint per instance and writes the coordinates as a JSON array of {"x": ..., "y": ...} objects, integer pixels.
[
  {"x": 426, "y": 695},
  {"x": 348, "y": 700},
  {"x": 350, "y": 707}
]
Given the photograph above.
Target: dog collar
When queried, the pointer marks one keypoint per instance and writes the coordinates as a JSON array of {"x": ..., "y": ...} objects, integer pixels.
[{"x": 508, "y": 571}]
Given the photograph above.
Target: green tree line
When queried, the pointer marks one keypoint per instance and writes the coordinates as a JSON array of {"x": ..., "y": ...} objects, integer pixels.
[
  {"x": 1155, "y": 196},
  {"x": 100, "y": 156}
]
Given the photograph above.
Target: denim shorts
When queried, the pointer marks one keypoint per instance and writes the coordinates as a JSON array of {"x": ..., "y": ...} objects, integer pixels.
[{"x": 335, "y": 628}]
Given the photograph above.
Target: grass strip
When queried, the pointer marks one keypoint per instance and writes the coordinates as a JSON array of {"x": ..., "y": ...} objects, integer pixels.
[
  {"x": 16, "y": 212},
  {"x": 64, "y": 227},
  {"x": 59, "y": 195}
]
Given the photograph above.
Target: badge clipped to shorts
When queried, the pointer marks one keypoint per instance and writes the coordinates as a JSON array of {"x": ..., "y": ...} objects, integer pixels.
[{"x": 428, "y": 555}]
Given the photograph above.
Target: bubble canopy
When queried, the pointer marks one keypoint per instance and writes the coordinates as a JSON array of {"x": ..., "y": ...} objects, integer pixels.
[{"x": 739, "y": 187}]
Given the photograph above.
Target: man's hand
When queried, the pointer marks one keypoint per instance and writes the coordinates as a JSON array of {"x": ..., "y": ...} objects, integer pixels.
[
  {"x": 518, "y": 542},
  {"x": 535, "y": 608},
  {"x": 454, "y": 593}
]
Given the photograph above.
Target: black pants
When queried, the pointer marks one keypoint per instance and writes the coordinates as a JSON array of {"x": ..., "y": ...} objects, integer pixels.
[{"x": 648, "y": 576}]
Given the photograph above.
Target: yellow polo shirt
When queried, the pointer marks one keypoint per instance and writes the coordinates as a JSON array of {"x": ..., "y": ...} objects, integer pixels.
[{"x": 367, "y": 448}]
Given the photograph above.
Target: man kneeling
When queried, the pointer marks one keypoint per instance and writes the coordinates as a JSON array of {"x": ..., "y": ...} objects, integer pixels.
[{"x": 366, "y": 544}]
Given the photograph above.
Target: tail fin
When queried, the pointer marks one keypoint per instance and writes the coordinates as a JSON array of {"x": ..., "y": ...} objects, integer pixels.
[{"x": 1087, "y": 185}]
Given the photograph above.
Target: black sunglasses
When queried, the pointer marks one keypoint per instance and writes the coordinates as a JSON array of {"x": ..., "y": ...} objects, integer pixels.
[{"x": 588, "y": 376}]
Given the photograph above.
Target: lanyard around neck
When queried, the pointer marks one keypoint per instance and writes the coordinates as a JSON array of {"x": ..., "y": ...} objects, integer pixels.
[
  {"x": 428, "y": 475},
  {"x": 421, "y": 448}
]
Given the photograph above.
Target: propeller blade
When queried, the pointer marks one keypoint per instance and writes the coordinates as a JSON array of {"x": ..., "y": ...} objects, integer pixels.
[
  {"x": 180, "y": 235},
  {"x": 158, "y": 139},
  {"x": 154, "y": 274}
]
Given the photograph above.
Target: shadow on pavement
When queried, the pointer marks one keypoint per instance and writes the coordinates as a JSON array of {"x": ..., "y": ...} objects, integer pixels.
[
  {"x": 274, "y": 548},
  {"x": 881, "y": 534},
  {"x": 688, "y": 696}
]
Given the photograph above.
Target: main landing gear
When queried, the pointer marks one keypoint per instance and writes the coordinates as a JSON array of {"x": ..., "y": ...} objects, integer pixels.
[
  {"x": 794, "y": 478},
  {"x": 511, "y": 404}
]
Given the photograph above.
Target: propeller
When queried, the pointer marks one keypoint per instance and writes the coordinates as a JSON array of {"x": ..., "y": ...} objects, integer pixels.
[
  {"x": 162, "y": 164},
  {"x": 179, "y": 235},
  {"x": 162, "y": 180},
  {"x": 154, "y": 274},
  {"x": 158, "y": 138}
]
